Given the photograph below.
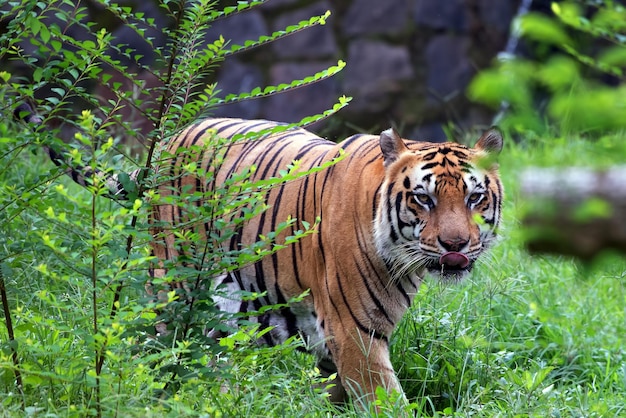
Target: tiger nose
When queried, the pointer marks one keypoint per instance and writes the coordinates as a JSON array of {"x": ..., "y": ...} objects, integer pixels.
[{"x": 453, "y": 244}]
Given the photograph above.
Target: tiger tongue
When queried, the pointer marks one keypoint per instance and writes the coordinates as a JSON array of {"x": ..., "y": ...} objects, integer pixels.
[{"x": 454, "y": 259}]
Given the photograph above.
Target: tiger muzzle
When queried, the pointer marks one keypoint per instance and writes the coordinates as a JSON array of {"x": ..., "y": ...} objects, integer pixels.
[
  {"x": 454, "y": 260},
  {"x": 451, "y": 265}
]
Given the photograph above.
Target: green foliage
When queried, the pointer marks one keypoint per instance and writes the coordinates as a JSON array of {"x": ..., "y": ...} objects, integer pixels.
[
  {"x": 563, "y": 72},
  {"x": 270, "y": 90},
  {"x": 74, "y": 264}
]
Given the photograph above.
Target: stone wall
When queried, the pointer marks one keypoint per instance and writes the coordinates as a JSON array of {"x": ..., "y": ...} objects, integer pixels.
[{"x": 408, "y": 62}]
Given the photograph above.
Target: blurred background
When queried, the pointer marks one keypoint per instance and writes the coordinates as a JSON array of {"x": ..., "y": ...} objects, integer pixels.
[{"x": 411, "y": 64}]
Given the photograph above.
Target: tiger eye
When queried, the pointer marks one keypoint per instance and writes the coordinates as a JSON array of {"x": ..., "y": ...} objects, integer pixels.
[
  {"x": 424, "y": 199},
  {"x": 474, "y": 198}
]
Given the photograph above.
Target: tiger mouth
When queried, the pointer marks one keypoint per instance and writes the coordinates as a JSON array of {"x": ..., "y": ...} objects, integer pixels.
[{"x": 451, "y": 265}]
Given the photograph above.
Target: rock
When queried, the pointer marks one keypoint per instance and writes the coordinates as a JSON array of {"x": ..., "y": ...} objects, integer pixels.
[
  {"x": 312, "y": 43},
  {"x": 305, "y": 101},
  {"x": 374, "y": 70},
  {"x": 408, "y": 61},
  {"x": 277, "y": 4},
  {"x": 449, "y": 69},
  {"x": 376, "y": 17},
  {"x": 236, "y": 77},
  {"x": 431, "y": 132},
  {"x": 239, "y": 28},
  {"x": 497, "y": 14},
  {"x": 446, "y": 14}
]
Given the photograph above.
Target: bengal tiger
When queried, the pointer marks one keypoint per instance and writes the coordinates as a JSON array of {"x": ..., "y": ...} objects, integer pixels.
[{"x": 391, "y": 211}]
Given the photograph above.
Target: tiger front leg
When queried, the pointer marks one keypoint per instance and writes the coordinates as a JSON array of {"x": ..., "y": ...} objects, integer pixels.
[{"x": 363, "y": 365}]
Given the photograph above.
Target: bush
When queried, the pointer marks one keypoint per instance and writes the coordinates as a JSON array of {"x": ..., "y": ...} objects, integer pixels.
[
  {"x": 579, "y": 69},
  {"x": 79, "y": 336}
]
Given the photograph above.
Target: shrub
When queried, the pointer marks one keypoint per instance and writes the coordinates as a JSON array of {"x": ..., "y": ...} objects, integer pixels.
[
  {"x": 74, "y": 264},
  {"x": 580, "y": 55}
]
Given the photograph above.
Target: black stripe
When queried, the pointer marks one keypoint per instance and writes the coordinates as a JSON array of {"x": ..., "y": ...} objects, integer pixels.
[
  {"x": 194, "y": 132},
  {"x": 365, "y": 279},
  {"x": 376, "y": 200},
  {"x": 403, "y": 292},
  {"x": 306, "y": 149},
  {"x": 260, "y": 276},
  {"x": 392, "y": 233},
  {"x": 407, "y": 196},
  {"x": 429, "y": 156},
  {"x": 246, "y": 126},
  {"x": 297, "y": 248},
  {"x": 362, "y": 238},
  {"x": 350, "y": 140},
  {"x": 243, "y": 126},
  {"x": 374, "y": 333},
  {"x": 286, "y": 313},
  {"x": 401, "y": 223}
]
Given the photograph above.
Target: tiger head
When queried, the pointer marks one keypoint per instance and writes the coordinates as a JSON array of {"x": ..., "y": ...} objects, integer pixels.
[{"x": 439, "y": 205}]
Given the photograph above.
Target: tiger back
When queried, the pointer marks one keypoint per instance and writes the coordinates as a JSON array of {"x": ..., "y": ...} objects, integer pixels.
[{"x": 391, "y": 210}]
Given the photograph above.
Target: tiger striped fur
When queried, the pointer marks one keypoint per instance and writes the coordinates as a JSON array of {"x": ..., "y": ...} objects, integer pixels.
[{"x": 391, "y": 211}]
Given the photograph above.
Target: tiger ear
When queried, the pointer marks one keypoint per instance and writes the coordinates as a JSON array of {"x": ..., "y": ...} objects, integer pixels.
[
  {"x": 391, "y": 145},
  {"x": 491, "y": 141}
]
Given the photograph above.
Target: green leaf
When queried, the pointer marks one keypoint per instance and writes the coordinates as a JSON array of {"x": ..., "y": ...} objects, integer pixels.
[
  {"x": 614, "y": 56},
  {"x": 590, "y": 109},
  {"x": 59, "y": 91},
  {"x": 543, "y": 29},
  {"x": 45, "y": 34},
  {"x": 560, "y": 72},
  {"x": 289, "y": 30},
  {"x": 37, "y": 74},
  {"x": 56, "y": 45},
  {"x": 569, "y": 13},
  {"x": 128, "y": 184},
  {"x": 510, "y": 82}
]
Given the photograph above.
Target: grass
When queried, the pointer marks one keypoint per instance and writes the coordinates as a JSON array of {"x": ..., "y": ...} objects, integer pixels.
[{"x": 525, "y": 336}]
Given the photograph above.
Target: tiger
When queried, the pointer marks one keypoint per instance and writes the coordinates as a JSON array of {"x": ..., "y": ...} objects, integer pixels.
[{"x": 390, "y": 211}]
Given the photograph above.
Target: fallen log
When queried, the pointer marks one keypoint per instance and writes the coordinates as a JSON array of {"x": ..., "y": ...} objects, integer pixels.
[{"x": 574, "y": 211}]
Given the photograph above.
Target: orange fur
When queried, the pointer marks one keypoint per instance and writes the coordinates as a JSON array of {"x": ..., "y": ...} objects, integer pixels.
[{"x": 390, "y": 211}]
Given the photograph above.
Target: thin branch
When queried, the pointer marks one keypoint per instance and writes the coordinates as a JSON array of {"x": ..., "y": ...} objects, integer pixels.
[{"x": 9, "y": 322}]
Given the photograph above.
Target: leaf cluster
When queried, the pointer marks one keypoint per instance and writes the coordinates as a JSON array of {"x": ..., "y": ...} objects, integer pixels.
[{"x": 576, "y": 81}]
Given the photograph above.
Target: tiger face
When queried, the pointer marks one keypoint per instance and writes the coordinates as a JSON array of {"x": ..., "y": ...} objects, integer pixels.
[{"x": 440, "y": 206}]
